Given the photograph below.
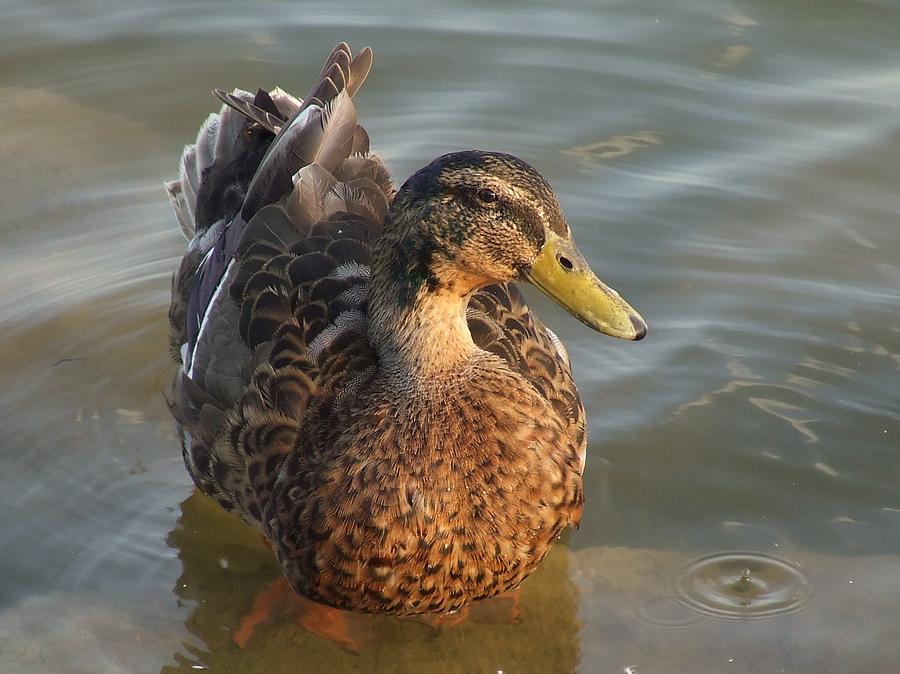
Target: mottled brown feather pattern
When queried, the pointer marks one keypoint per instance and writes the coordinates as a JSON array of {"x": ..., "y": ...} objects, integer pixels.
[
  {"x": 433, "y": 526},
  {"x": 381, "y": 490}
]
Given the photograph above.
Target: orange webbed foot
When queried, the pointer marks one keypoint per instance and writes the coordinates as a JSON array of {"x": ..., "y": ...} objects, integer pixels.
[
  {"x": 442, "y": 621},
  {"x": 265, "y": 605},
  {"x": 504, "y": 608},
  {"x": 347, "y": 630},
  {"x": 341, "y": 627}
]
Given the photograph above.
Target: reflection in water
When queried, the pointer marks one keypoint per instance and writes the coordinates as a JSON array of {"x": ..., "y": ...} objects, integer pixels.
[
  {"x": 738, "y": 22},
  {"x": 615, "y": 146},
  {"x": 225, "y": 564},
  {"x": 731, "y": 56},
  {"x": 786, "y": 411}
]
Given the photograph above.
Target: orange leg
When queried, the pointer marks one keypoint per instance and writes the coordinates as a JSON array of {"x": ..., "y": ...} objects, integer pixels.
[
  {"x": 347, "y": 630},
  {"x": 504, "y": 608},
  {"x": 341, "y": 627},
  {"x": 442, "y": 621},
  {"x": 265, "y": 605}
]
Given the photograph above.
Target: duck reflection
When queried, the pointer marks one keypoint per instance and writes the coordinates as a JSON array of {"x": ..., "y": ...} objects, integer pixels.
[{"x": 228, "y": 574}]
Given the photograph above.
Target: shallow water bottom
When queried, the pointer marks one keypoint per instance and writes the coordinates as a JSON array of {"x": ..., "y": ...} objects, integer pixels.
[{"x": 598, "y": 609}]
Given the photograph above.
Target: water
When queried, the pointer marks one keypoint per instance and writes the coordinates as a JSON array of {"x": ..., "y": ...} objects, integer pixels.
[
  {"x": 742, "y": 585},
  {"x": 730, "y": 167}
]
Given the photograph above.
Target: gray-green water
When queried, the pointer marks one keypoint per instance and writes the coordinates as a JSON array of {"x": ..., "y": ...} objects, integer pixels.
[{"x": 730, "y": 167}]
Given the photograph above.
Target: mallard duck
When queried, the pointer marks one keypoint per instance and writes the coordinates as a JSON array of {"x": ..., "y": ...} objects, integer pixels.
[{"x": 359, "y": 378}]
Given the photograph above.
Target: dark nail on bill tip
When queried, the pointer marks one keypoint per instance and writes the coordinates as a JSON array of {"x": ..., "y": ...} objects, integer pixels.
[{"x": 640, "y": 328}]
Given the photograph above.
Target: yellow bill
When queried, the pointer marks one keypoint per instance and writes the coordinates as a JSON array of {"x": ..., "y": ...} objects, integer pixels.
[{"x": 563, "y": 274}]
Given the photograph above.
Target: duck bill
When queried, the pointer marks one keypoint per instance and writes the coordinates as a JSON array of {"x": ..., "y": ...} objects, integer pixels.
[{"x": 562, "y": 273}]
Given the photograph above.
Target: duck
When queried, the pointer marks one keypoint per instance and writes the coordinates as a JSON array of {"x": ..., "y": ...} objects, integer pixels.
[{"x": 358, "y": 376}]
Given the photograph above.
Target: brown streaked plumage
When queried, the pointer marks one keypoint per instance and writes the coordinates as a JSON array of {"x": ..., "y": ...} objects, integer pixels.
[{"x": 358, "y": 377}]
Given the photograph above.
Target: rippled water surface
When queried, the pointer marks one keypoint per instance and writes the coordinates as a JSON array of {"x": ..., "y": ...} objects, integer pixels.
[{"x": 730, "y": 167}]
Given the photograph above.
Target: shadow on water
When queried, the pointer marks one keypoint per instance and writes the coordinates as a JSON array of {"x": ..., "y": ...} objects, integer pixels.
[{"x": 225, "y": 564}]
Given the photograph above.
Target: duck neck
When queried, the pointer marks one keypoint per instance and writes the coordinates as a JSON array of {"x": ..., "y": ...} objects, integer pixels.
[{"x": 417, "y": 308}]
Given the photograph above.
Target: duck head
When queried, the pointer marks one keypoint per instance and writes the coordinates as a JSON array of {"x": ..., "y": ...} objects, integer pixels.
[{"x": 473, "y": 218}]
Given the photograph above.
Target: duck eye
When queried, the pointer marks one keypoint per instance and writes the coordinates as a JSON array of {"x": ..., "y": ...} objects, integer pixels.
[{"x": 487, "y": 196}]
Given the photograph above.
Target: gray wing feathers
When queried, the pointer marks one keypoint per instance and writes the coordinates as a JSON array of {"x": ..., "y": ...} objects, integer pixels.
[
  {"x": 316, "y": 167},
  {"x": 316, "y": 135},
  {"x": 306, "y": 204},
  {"x": 359, "y": 70},
  {"x": 182, "y": 211},
  {"x": 219, "y": 356},
  {"x": 217, "y": 137},
  {"x": 287, "y": 104},
  {"x": 250, "y": 110},
  {"x": 319, "y": 131}
]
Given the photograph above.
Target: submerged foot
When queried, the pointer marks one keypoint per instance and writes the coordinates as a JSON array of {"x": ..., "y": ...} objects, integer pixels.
[
  {"x": 345, "y": 629},
  {"x": 505, "y": 608}
]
